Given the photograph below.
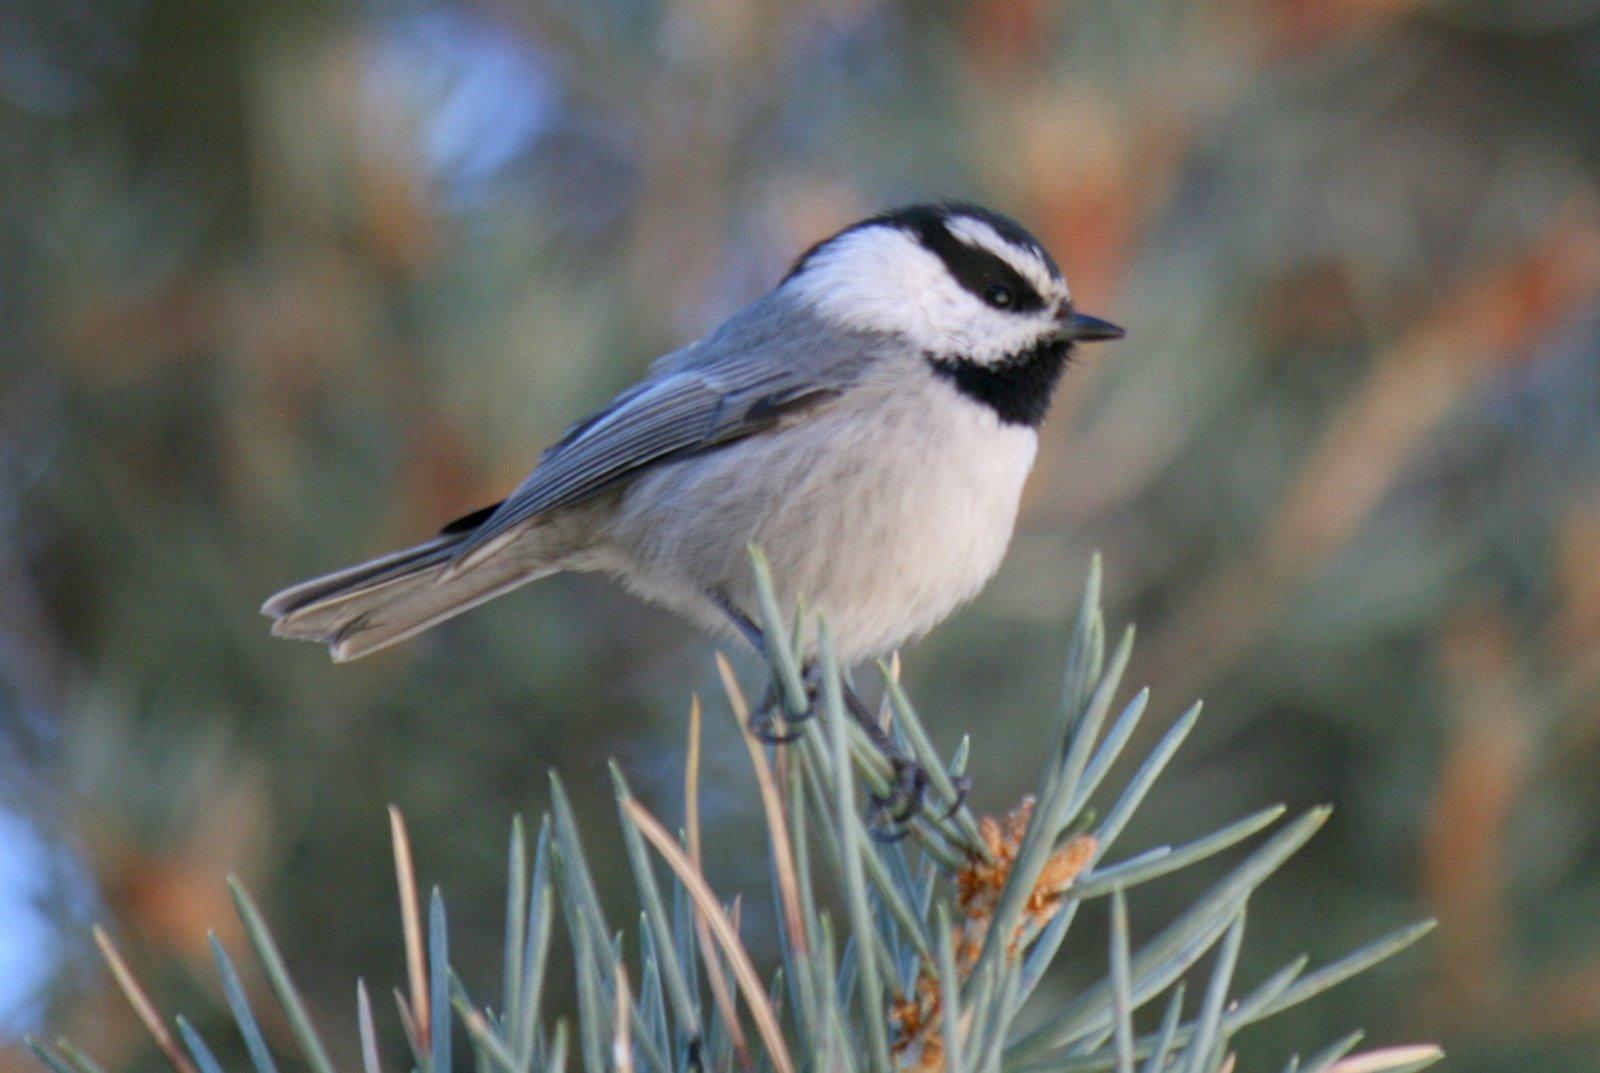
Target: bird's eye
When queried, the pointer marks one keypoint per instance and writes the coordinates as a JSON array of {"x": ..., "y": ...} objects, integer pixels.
[{"x": 998, "y": 295}]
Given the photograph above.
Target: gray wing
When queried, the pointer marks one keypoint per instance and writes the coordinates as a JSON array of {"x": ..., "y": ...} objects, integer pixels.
[{"x": 697, "y": 399}]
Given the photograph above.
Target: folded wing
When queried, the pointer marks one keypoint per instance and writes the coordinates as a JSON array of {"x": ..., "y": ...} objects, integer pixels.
[{"x": 675, "y": 415}]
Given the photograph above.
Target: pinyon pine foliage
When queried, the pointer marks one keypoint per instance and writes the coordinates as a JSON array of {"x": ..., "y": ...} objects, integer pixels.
[{"x": 920, "y": 953}]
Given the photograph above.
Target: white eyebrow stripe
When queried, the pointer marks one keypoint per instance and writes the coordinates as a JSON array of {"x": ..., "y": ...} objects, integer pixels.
[{"x": 1029, "y": 265}]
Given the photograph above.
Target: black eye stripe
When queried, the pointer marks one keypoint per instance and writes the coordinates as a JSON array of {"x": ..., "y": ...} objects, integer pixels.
[{"x": 976, "y": 269}]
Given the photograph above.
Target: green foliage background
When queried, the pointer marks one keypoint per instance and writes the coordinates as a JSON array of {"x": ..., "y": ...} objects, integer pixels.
[{"x": 286, "y": 284}]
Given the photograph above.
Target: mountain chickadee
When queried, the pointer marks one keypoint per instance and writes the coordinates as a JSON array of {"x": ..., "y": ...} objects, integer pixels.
[{"x": 868, "y": 424}]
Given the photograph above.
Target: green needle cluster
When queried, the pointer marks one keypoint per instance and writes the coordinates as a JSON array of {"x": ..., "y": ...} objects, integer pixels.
[{"x": 920, "y": 954}]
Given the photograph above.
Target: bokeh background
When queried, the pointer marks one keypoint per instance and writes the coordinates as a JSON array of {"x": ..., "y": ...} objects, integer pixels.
[{"x": 290, "y": 282}]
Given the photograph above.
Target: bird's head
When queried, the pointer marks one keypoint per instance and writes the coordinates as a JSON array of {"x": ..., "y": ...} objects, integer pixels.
[{"x": 958, "y": 282}]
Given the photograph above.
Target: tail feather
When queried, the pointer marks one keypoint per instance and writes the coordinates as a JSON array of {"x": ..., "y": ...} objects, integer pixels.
[
  {"x": 375, "y": 604},
  {"x": 358, "y": 578}
]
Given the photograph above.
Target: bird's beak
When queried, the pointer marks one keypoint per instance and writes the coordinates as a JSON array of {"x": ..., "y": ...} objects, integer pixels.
[{"x": 1082, "y": 328}]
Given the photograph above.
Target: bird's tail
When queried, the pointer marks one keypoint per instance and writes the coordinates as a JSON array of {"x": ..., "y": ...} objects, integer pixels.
[{"x": 370, "y": 606}]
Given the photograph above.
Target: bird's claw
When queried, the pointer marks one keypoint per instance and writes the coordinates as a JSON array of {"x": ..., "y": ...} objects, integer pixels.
[
  {"x": 765, "y": 718},
  {"x": 892, "y": 812},
  {"x": 962, "y": 785},
  {"x": 767, "y": 736}
]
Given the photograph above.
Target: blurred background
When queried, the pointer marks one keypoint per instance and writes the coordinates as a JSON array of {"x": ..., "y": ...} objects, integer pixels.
[{"x": 285, "y": 284}]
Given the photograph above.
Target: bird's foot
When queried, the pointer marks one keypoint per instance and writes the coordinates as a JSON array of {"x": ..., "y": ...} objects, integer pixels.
[
  {"x": 962, "y": 785},
  {"x": 892, "y": 812},
  {"x": 764, "y": 721}
]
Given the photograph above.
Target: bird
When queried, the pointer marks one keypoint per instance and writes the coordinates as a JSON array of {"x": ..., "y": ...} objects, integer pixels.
[{"x": 868, "y": 424}]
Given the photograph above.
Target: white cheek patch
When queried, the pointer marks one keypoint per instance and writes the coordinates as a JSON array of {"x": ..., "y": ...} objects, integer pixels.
[
  {"x": 881, "y": 279},
  {"x": 1028, "y": 264}
]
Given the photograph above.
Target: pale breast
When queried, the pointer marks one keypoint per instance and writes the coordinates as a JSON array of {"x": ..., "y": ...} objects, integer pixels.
[{"x": 885, "y": 513}]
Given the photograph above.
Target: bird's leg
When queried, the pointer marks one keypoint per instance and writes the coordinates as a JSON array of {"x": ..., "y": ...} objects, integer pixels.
[
  {"x": 891, "y": 811},
  {"x": 743, "y": 623},
  {"x": 765, "y": 717}
]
